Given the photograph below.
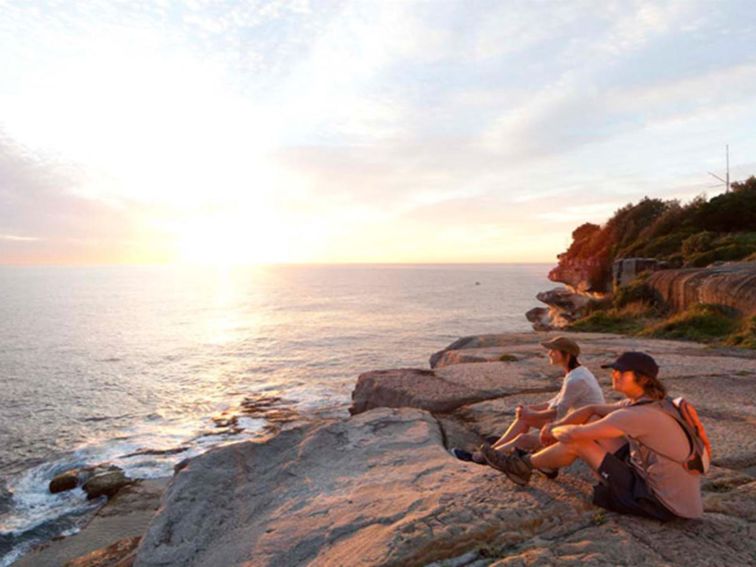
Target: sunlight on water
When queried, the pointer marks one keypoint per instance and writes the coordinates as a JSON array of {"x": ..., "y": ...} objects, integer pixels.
[{"x": 144, "y": 367}]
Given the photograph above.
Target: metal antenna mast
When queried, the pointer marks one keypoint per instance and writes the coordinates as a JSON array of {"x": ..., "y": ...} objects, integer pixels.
[{"x": 725, "y": 181}]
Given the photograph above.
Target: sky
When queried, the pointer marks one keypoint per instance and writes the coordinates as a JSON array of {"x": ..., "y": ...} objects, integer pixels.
[{"x": 136, "y": 132}]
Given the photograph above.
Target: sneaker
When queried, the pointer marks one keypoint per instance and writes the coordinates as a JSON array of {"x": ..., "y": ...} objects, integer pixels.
[
  {"x": 478, "y": 457},
  {"x": 475, "y": 457},
  {"x": 551, "y": 474},
  {"x": 514, "y": 466},
  {"x": 461, "y": 454}
]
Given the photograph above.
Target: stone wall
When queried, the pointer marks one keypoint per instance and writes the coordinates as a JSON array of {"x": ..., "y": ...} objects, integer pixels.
[{"x": 732, "y": 284}]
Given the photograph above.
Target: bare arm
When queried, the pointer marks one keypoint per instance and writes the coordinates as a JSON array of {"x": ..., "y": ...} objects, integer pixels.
[
  {"x": 577, "y": 417},
  {"x": 536, "y": 418},
  {"x": 589, "y": 432},
  {"x": 582, "y": 415}
]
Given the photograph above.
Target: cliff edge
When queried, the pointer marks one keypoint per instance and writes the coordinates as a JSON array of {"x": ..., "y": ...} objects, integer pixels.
[{"x": 380, "y": 487}]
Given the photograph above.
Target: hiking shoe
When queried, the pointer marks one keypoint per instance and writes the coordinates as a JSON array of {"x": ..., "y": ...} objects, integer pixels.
[
  {"x": 461, "y": 454},
  {"x": 514, "y": 466},
  {"x": 476, "y": 457}
]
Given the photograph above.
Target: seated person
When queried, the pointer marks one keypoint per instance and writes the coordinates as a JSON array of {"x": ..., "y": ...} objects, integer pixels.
[
  {"x": 579, "y": 388},
  {"x": 636, "y": 448}
]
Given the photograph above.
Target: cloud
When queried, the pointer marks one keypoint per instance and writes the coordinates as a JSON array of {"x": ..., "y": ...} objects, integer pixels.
[
  {"x": 43, "y": 220},
  {"x": 16, "y": 238},
  {"x": 499, "y": 120}
]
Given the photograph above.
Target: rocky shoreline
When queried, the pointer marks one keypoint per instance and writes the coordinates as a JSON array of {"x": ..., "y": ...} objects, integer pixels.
[
  {"x": 731, "y": 285},
  {"x": 380, "y": 488}
]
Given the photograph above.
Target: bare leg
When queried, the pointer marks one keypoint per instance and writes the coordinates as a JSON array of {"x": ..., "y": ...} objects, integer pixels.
[
  {"x": 517, "y": 428},
  {"x": 524, "y": 441},
  {"x": 563, "y": 454}
]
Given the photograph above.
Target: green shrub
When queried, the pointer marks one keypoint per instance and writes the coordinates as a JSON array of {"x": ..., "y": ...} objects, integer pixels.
[
  {"x": 696, "y": 234},
  {"x": 702, "y": 322},
  {"x": 636, "y": 291},
  {"x": 729, "y": 212},
  {"x": 594, "y": 305},
  {"x": 727, "y": 253},
  {"x": 745, "y": 336},
  {"x": 663, "y": 246},
  {"x": 675, "y": 260},
  {"x": 507, "y": 358},
  {"x": 744, "y": 238},
  {"x": 700, "y": 242},
  {"x": 608, "y": 322}
]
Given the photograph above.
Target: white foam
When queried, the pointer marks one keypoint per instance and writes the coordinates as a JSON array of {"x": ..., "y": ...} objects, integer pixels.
[{"x": 33, "y": 504}]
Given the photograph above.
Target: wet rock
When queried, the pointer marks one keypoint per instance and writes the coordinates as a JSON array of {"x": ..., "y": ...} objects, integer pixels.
[
  {"x": 64, "y": 481},
  {"x": 161, "y": 452},
  {"x": 540, "y": 317},
  {"x": 105, "y": 483},
  {"x": 72, "y": 478},
  {"x": 223, "y": 421},
  {"x": 124, "y": 517},
  {"x": 276, "y": 411},
  {"x": 271, "y": 408}
]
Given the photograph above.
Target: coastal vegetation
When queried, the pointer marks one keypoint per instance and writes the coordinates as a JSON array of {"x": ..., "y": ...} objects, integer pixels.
[{"x": 693, "y": 235}]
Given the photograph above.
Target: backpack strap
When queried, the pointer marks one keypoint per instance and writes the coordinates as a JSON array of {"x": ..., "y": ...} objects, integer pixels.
[{"x": 667, "y": 406}]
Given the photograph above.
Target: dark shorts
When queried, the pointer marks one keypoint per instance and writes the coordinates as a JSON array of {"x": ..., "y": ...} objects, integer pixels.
[{"x": 622, "y": 489}]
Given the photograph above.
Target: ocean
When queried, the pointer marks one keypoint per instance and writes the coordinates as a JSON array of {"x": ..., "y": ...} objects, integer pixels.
[{"x": 146, "y": 366}]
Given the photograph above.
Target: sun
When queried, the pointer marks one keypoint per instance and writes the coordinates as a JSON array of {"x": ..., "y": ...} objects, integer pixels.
[{"x": 231, "y": 239}]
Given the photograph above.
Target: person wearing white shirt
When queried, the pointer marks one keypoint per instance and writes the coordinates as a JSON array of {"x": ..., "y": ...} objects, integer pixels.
[{"x": 530, "y": 428}]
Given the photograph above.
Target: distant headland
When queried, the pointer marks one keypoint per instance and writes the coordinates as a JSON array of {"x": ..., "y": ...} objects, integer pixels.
[{"x": 662, "y": 269}]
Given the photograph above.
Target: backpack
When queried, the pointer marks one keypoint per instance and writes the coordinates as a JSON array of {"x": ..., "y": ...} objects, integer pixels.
[{"x": 683, "y": 412}]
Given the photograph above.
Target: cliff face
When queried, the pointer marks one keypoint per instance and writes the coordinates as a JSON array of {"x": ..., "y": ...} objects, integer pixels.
[
  {"x": 583, "y": 275},
  {"x": 733, "y": 285}
]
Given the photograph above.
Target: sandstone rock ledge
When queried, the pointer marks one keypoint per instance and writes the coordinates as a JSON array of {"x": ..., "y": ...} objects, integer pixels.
[{"x": 380, "y": 488}]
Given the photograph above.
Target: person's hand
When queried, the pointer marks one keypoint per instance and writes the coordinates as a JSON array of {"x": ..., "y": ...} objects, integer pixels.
[
  {"x": 546, "y": 437},
  {"x": 518, "y": 411},
  {"x": 564, "y": 433}
]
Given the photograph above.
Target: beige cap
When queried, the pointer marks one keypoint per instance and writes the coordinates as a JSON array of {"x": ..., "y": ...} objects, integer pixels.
[{"x": 564, "y": 344}]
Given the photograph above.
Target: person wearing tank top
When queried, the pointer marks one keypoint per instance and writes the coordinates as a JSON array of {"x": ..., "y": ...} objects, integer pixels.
[{"x": 636, "y": 449}]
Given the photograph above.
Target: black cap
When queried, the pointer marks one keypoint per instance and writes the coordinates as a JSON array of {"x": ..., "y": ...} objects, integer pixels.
[{"x": 639, "y": 362}]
